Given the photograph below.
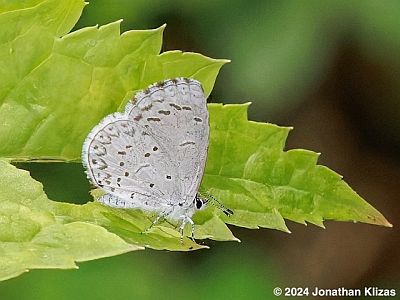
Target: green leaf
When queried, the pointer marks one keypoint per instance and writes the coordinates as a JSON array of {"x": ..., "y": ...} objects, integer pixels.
[
  {"x": 32, "y": 236},
  {"x": 39, "y": 233},
  {"x": 55, "y": 88},
  {"x": 249, "y": 172}
]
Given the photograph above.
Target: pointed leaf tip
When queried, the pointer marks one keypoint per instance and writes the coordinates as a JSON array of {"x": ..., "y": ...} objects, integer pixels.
[{"x": 248, "y": 171}]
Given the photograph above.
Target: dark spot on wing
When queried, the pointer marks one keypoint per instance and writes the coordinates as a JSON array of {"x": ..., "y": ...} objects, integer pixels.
[
  {"x": 103, "y": 167},
  {"x": 164, "y": 112},
  {"x": 197, "y": 119},
  {"x": 126, "y": 174},
  {"x": 147, "y": 107},
  {"x": 121, "y": 163},
  {"x": 112, "y": 131},
  {"x": 177, "y": 107},
  {"x": 147, "y": 154},
  {"x": 151, "y": 185},
  {"x": 128, "y": 146},
  {"x": 104, "y": 139},
  {"x": 186, "y": 108},
  {"x": 138, "y": 117},
  {"x": 119, "y": 179},
  {"x": 153, "y": 119},
  {"x": 129, "y": 131},
  {"x": 122, "y": 152},
  {"x": 168, "y": 177},
  {"x": 112, "y": 189},
  {"x": 159, "y": 100},
  {"x": 155, "y": 148}
]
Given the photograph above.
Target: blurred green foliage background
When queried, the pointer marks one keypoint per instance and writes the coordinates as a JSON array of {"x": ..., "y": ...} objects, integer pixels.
[{"x": 330, "y": 69}]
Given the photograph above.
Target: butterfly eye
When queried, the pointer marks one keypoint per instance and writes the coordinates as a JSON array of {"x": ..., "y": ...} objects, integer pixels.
[{"x": 199, "y": 204}]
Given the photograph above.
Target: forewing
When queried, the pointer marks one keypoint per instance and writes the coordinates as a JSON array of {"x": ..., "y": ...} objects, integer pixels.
[{"x": 175, "y": 113}]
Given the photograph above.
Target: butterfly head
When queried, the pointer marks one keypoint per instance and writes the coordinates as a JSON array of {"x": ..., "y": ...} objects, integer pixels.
[{"x": 199, "y": 203}]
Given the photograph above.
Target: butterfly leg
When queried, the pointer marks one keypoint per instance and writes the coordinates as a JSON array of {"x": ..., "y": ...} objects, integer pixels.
[
  {"x": 157, "y": 220},
  {"x": 192, "y": 228},
  {"x": 185, "y": 220},
  {"x": 182, "y": 227}
]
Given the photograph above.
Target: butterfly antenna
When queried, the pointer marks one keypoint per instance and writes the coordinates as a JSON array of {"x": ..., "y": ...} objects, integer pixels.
[{"x": 210, "y": 198}]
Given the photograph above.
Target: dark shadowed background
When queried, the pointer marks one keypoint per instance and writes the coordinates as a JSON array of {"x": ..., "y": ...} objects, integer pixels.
[{"x": 331, "y": 69}]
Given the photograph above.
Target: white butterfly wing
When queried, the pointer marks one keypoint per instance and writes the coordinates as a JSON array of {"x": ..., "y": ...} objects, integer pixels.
[
  {"x": 153, "y": 156},
  {"x": 123, "y": 159},
  {"x": 176, "y": 115}
]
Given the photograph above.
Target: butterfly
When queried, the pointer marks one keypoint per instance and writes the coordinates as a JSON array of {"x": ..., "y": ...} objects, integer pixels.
[{"x": 152, "y": 156}]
